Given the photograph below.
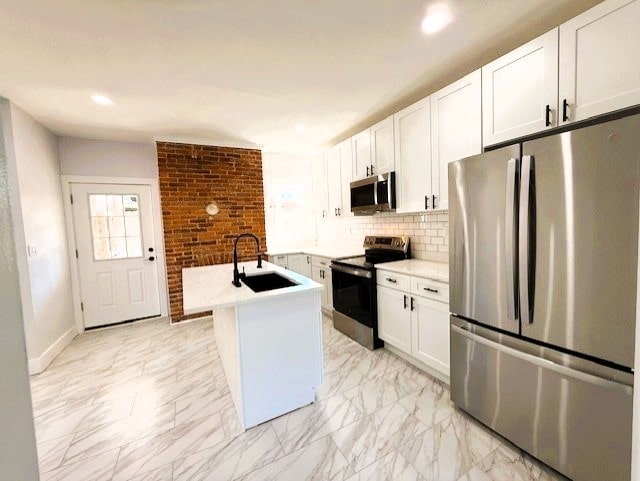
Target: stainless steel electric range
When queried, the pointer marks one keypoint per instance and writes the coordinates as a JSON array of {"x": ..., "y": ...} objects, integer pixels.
[{"x": 355, "y": 311}]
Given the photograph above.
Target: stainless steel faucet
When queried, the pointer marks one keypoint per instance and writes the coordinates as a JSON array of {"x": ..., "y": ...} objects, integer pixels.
[{"x": 236, "y": 274}]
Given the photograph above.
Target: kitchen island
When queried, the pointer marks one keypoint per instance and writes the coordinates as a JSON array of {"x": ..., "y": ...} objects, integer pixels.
[{"x": 270, "y": 342}]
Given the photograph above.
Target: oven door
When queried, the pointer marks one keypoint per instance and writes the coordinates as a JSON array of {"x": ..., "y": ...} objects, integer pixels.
[{"x": 353, "y": 293}]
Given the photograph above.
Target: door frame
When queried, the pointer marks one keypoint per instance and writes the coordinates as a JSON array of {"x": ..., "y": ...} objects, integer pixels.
[{"x": 163, "y": 287}]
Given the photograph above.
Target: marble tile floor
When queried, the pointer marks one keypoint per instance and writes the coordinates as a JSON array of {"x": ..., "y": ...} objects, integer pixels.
[{"x": 150, "y": 402}]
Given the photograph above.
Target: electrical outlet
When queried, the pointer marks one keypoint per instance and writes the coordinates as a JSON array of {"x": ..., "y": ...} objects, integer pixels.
[{"x": 32, "y": 251}]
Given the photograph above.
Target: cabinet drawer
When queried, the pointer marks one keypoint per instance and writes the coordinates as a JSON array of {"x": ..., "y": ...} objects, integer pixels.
[
  {"x": 438, "y": 291},
  {"x": 393, "y": 280},
  {"x": 280, "y": 260},
  {"x": 320, "y": 262}
]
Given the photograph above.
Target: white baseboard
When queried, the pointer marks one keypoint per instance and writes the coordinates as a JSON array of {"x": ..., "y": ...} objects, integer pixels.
[{"x": 37, "y": 365}]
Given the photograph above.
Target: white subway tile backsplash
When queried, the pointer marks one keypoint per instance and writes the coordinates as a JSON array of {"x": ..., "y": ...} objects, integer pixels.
[{"x": 429, "y": 232}]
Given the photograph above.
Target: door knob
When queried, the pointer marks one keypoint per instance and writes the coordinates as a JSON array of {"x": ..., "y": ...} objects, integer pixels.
[{"x": 152, "y": 258}]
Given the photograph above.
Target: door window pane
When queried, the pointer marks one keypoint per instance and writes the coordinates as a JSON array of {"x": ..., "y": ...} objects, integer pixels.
[{"x": 115, "y": 226}]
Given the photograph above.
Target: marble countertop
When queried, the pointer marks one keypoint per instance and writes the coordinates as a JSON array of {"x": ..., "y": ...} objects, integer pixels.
[
  {"x": 330, "y": 251},
  {"x": 437, "y": 271},
  {"x": 208, "y": 287}
]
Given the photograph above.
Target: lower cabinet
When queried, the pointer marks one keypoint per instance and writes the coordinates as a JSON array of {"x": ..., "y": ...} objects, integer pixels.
[
  {"x": 430, "y": 333},
  {"x": 280, "y": 260},
  {"x": 394, "y": 318},
  {"x": 300, "y": 263},
  {"x": 416, "y": 324},
  {"x": 321, "y": 273}
]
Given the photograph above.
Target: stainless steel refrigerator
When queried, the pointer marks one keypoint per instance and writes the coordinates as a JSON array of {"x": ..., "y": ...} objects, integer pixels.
[{"x": 543, "y": 282}]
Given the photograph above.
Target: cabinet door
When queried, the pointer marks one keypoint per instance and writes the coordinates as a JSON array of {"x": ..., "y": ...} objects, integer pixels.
[
  {"x": 317, "y": 275},
  {"x": 320, "y": 194},
  {"x": 599, "y": 67},
  {"x": 333, "y": 181},
  {"x": 280, "y": 260},
  {"x": 413, "y": 156},
  {"x": 361, "y": 144},
  {"x": 456, "y": 131},
  {"x": 346, "y": 175},
  {"x": 297, "y": 263},
  {"x": 382, "y": 154},
  {"x": 394, "y": 318},
  {"x": 518, "y": 88},
  {"x": 430, "y": 333}
]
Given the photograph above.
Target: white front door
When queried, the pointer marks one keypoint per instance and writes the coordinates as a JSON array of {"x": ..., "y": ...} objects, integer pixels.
[{"x": 116, "y": 252}]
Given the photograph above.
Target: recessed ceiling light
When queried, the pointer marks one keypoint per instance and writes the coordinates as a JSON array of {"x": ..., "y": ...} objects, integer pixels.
[
  {"x": 102, "y": 100},
  {"x": 299, "y": 127},
  {"x": 438, "y": 16}
]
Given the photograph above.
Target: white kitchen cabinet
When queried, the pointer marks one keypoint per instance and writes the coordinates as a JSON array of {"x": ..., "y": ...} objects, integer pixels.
[
  {"x": 412, "y": 142},
  {"x": 346, "y": 175},
  {"x": 280, "y": 260},
  {"x": 321, "y": 273},
  {"x": 382, "y": 151},
  {"x": 599, "y": 67},
  {"x": 520, "y": 91},
  {"x": 394, "y": 318},
  {"x": 320, "y": 194},
  {"x": 456, "y": 132},
  {"x": 300, "y": 263},
  {"x": 334, "y": 186},
  {"x": 361, "y": 145},
  {"x": 413, "y": 317},
  {"x": 430, "y": 333}
]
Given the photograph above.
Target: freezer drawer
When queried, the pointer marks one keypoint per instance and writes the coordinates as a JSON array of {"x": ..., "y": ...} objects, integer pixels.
[{"x": 576, "y": 422}]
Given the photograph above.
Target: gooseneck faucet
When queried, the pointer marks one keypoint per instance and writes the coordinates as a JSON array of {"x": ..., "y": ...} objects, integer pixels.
[{"x": 236, "y": 274}]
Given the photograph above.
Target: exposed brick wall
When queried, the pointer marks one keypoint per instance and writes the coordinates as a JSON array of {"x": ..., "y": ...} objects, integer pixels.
[{"x": 191, "y": 176}]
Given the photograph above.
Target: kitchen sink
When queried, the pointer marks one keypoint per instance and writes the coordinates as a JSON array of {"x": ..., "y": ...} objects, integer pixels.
[{"x": 267, "y": 282}]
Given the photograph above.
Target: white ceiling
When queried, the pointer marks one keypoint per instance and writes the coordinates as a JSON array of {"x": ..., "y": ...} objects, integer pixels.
[{"x": 243, "y": 72}]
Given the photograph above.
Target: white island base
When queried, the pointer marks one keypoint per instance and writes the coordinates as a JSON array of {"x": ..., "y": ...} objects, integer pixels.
[{"x": 270, "y": 343}]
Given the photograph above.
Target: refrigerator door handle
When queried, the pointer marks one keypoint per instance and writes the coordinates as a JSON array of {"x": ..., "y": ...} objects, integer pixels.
[
  {"x": 524, "y": 266},
  {"x": 545, "y": 363},
  {"x": 510, "y": 238}
]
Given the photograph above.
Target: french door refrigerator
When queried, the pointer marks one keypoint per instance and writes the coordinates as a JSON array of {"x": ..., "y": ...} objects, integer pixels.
[{"x": 543, "y": 280}]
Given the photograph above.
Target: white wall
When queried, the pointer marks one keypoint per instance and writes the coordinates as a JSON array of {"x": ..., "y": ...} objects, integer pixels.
[
  {"x": 18, "y": 457},
  {"x": 45, "y": 281},
  {"x": 288, "y": 199},
  {"x": 107, "y": 158}
]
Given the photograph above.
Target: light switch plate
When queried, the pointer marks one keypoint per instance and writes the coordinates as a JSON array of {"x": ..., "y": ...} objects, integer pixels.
[{"x": 32, "y": 251}]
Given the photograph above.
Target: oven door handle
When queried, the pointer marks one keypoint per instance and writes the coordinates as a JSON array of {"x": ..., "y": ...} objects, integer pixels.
[{"x": 352, "y": 271}]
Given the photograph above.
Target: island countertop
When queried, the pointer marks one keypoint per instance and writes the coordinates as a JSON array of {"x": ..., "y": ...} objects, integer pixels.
[{"x": 208, "y": 287}]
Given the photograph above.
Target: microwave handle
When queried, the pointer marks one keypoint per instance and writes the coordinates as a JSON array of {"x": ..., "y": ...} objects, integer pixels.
[{"x": 375, "y": 193}]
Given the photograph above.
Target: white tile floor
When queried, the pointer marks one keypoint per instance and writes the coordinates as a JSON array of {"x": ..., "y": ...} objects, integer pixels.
[{"x": 149, "y": 401}]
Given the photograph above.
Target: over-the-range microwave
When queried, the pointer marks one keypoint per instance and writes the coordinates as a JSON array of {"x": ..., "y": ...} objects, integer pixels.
[{"x": 374, "y": 194}]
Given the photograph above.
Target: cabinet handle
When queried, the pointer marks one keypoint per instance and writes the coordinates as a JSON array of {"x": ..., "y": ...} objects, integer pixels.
[
  {"x": 367, "y": 171},
  {"x": 413, "y": 303},
  {"x": 405, "y": 301},
  {"x": 565, "y": 110},
  {"x": 308, "y": 260},
  {"x": 371, "y": 169},
  {"x": 429, "y": 289},
  {"x": 433, "y": 201},
  {"x": 394, "y": 281},
  {"x": 426, "y": 202},
  {"x": 339, "y": 210},
  {"x": 547, "y": 116}
]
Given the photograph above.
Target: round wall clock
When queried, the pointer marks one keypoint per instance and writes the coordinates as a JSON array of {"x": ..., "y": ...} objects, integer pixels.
[{"x": 212, "y": 208}]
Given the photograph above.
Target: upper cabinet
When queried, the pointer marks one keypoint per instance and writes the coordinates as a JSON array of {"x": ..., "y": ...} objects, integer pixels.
[
  {"x": 413, "y": 156},
  {"x": 520, "y": 91},
  {"x": 382, "y": 154},
  {"x": 334, "y": 181},
  {"x": 599, "y": 67},
  {"x": 361, "y": 144},
  {"x": 345, "y": 150},
  {"x": 320, "y": 193},
  {"x": 456, "y": 131}
]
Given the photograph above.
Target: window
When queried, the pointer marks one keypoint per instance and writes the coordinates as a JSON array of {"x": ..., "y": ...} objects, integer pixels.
[{"x": 115, "y": 226}]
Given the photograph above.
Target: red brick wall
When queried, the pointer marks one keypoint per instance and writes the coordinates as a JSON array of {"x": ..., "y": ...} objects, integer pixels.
[{"x": 191, "y": 176}]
